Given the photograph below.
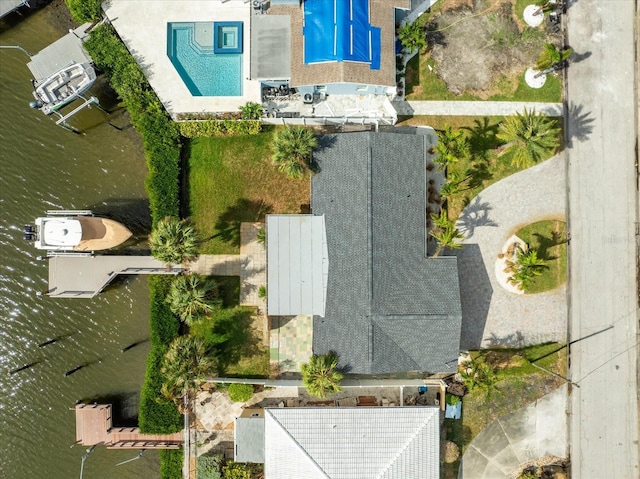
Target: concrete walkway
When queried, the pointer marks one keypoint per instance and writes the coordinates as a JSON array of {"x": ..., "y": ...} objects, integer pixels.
[
  {"x": 530, "y": 433},
  {"x": 491, "y": 315},
  {"x": 217, "y": 265},
  {"x": 474, "y": 108}
]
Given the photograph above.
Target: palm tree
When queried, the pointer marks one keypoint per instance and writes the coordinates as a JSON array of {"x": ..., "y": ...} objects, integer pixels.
[
  {"x": 529, "y": 137},
  {"x": 184, "y": 367},
  {"x": 452, "y": 147},
  {"x": 320, "y": 375},
  {"x": 292, "y": 148},
  {"x": 552, "y": 55},
  {"x": 412, "y": 36},
  {"x": 527, "y": 265},
  {"x": 174, "y": 241},
  {"x": 447, "y": 238},
  {"x": 191, "y": 297}
]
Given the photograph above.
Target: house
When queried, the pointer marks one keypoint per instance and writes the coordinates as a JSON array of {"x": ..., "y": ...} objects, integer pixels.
[
  {"x": 388, "y": 306},
  {"x": 350, "y": 442},
  {"x": 315, "y": 59}
]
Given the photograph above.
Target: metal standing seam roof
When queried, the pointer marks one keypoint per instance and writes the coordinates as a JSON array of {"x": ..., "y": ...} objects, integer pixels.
[
  {"x": 346, "y": 443},
  {"x": 389, "y": 307},
  {"x": 297, "y": 265},
  {"x": 249, "y": 439}
]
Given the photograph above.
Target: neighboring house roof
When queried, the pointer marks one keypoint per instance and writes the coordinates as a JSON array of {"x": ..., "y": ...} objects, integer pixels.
[
  {"x": 359, "y": 442},
  {"x": 249, "y": 439},
  {"x": 381, "y": 20},
  {"x": 296, "y": 265},
  {"x": 389, "y": 307}
]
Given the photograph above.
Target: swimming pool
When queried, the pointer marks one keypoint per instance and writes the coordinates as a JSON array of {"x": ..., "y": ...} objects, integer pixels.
[{"x": 205, "y": 72}]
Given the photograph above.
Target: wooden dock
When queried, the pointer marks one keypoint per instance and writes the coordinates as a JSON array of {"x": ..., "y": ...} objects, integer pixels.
[
  {"x": 94, "y": 427},
  {"x": 77, "y": 276}
]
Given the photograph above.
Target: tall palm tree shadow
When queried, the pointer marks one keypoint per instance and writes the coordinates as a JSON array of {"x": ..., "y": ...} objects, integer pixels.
[
  {"x": 579, "y": 124},
  {"x": 473, "y": 215},
  {"x": 545, "y": 243},
  {"x": 244, "y": 210}
]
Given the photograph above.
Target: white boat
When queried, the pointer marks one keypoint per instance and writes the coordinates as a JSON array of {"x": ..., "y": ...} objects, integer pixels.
[
  {"x": 62, "y": 87},
  {"x": 75, "y": 231}
]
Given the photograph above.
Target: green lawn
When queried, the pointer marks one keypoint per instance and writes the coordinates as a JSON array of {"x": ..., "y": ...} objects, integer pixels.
[
  {"x": 232, "y": 180},
  {"x": 549, "y": 238},
  {"x": 519, "y": 384}
]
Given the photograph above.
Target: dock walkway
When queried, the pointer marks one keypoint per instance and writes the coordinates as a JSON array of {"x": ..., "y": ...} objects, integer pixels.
[
  {"x": 8, "y": 6},
  {"x": 85, "y": 276}
]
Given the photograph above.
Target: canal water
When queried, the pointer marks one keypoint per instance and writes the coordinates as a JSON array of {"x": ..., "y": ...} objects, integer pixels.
[{"x": 45, "y": 167}]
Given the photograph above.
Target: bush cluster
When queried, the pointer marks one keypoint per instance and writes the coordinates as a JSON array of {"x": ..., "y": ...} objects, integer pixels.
[
  {"x": 83, "y": 11},
  {"x": 171, "y": 463},
  {"x": 160, "y": 136},
  {"x": 209, "y": 466},
  {"x": 240, "y": 392},
  {"x": 209, "y": 128}
]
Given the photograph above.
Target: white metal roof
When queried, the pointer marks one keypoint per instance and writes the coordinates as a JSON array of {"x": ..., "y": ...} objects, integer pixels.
[{"x": 297, "y": 265}]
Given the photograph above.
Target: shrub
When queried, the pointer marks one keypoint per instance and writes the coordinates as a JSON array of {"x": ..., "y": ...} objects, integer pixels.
[
  {"x": 234, "y": 470},
  {"x": 452, "y": 399},
  {"x": 171, "y": 463},
  {"x": 262, "y": 292},
  {"x": 83, "y": 11},
  {"x": 211, "y": 128},
  {"x": 163, "y": 325},
  {"x": 240, "y": 392},
  {"x": 209, "y": 467}
]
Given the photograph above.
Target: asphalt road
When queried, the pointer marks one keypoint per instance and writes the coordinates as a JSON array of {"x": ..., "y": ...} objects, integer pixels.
[{"x": 603, "y": 217}]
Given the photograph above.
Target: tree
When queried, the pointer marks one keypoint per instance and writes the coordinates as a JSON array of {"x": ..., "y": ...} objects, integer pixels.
[
  {"x": 412, "y": 36},
  {"x": 552, "y": 55},
  {"x": 529, "y": 137},
  {"x": 251, "y": 111},
  {"x": 193, "y": 296},
  {"x": 527, "y": 265},
  {"x": 174, "y": 241},
  {"x": 452, "y": 147},
  {"x": 292, "y": 148},
  {"x": 320, "y": 375},
  {"x": 184, "y": 367},
  {"x": 445, "y": 233}
]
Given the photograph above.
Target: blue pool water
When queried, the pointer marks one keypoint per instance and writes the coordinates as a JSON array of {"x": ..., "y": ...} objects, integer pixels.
[{"x": 205, "y": 73}]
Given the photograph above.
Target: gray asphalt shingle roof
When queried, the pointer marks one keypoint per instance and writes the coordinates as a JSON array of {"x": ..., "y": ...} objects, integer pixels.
[
  {"x": 389, "y": 307},
  {"x": 350, "y": 443}
]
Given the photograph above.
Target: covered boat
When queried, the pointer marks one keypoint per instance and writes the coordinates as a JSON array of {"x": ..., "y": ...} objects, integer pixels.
[
  {"x": 63, "y": 86},
  {"x": 75, "y": 230}
]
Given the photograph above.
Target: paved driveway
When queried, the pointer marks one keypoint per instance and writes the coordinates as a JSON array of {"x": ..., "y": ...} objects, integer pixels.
[{"x": 491, "y": 315}]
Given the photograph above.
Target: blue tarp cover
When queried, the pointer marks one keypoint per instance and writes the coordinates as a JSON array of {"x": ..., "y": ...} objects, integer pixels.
[
  {"x": 453, "y": 411},
  {"x": 338, "y": 30}
]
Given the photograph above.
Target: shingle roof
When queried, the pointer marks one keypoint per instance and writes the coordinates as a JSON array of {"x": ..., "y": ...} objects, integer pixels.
[
  {"x": 389, "y": 307},
  {"x": 345, "y": 443}
]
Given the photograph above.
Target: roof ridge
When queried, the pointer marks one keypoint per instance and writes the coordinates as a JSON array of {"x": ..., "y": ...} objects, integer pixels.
[
  {"x": 406, "y": 445},
  {"x": 297, "y": 444}
]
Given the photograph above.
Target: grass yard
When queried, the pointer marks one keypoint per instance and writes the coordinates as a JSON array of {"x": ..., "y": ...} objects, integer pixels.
[
  {"x": 550, "y": 239},
  {"x": 519, "y": 384},
  {"x": 232, "y": 180}
]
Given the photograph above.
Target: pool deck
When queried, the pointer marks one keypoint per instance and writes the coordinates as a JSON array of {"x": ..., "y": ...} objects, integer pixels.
[{"x": 143, "y": 28}]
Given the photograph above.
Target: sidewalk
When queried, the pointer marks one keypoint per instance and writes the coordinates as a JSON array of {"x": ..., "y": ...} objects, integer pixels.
[{"x": 474, "y": 108}]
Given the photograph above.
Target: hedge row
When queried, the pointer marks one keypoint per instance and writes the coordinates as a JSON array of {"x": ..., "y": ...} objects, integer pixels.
[
  {"x": 156, "y": 414},
  {"x": 160, "y": 136},
  {"x": 171, "y": 464},
  {"x": 209, "y": 128},
  {"x": 83, "y": 11},
  {"x": 161, "y": 143}
]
